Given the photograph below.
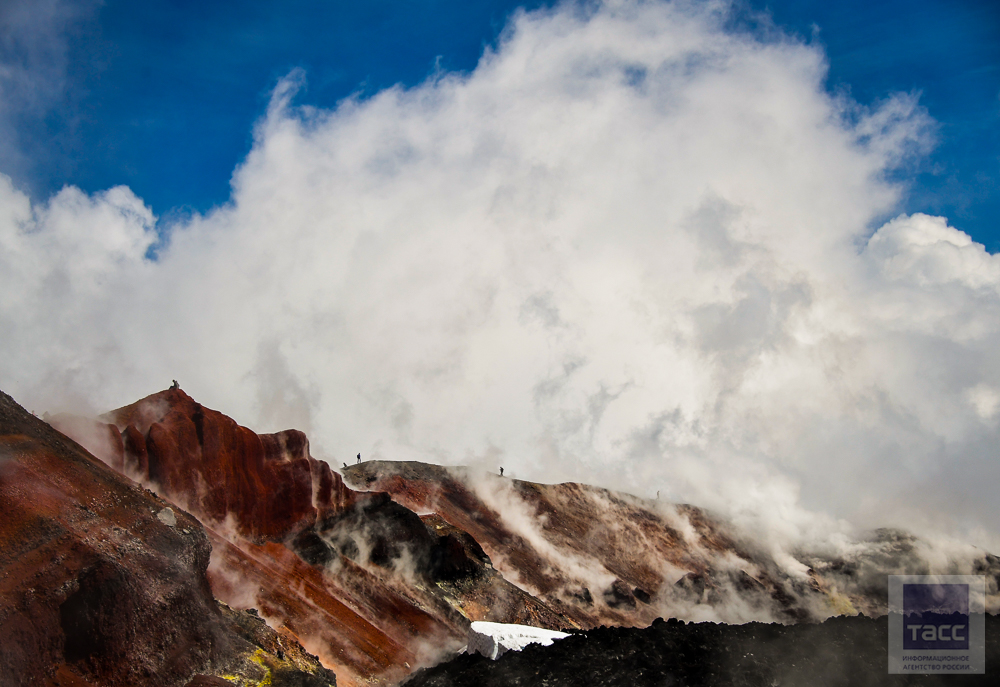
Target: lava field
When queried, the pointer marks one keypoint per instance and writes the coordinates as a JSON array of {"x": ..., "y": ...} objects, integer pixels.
[{"x": 843, "y": 651}]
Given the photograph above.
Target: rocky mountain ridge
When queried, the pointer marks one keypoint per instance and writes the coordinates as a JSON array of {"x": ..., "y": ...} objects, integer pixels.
[
  {"x": 380, "y": 570},
  {"x": 104, "y": 583}
]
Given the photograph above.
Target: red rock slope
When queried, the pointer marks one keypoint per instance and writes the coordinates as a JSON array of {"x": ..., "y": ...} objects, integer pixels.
[
  {"x": 352, "y": 575},
  {"x": 103, "y": 583}
]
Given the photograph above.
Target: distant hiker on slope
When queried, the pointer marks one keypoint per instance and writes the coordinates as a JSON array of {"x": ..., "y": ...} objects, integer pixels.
[
  {"x": 501, "y": 472},
  {"x": 359, "y": 457}
]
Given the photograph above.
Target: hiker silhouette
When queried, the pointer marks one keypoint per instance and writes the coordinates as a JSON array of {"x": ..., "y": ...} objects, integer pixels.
[{"x": 359, "y": 457}]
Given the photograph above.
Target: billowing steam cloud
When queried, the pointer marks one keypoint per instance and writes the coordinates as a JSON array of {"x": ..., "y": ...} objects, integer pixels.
[{"x": 635, "y": 246}]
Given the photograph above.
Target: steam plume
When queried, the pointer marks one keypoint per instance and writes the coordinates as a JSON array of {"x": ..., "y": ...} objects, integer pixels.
[{"x": 634, "y": 247}]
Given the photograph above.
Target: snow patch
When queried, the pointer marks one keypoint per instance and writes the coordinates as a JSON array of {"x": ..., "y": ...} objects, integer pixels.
[{"x": 495, "y": 639}]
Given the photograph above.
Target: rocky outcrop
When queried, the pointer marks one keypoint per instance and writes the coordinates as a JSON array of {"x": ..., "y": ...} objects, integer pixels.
[
  {"x": 351, "y": 575},
  {"x": 267, "y": 485},
  {"x": 104, "y": 583}
]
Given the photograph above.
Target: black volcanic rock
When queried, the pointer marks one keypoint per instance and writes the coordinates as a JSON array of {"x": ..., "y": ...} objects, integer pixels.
[{"x": 841, "y": 652}]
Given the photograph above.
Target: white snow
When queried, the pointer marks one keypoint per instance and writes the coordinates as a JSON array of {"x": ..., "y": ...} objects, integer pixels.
[{"x": 495, "y": 639}]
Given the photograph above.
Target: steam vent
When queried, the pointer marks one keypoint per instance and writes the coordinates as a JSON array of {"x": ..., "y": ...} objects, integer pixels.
[{"x": 163, "y": 544}]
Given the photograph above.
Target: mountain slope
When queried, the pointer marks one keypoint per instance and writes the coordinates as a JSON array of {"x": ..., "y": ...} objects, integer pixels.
[
  {"x": 103, "y": 583},
  {"x": 354, "y": 576},
  {"x": 381, "y": 571},
  {"x": 604, "y": 558}
]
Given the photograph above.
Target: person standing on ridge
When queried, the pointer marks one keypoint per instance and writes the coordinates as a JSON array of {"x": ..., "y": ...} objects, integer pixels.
[
  {"x": 359, "y": 457},
  {"x": 501, "y": 472}
]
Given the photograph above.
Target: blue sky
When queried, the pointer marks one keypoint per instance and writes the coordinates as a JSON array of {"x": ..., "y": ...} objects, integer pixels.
[{"x": 162, "y": 96}]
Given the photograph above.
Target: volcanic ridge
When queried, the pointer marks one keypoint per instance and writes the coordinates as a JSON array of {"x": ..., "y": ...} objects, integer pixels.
[{"x": 163, "y": 543}]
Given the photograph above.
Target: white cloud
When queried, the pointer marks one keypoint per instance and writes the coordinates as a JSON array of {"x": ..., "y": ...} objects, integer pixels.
[
  {"x": 631, "y": 248},
  {"x": 985, "y": 399}
]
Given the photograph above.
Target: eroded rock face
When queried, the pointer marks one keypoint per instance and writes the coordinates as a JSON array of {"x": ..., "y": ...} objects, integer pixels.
[
  {"x": 267, "y": 485},
  {"x": 95, "y": 589},
  {"x": 351, "y": 575}
]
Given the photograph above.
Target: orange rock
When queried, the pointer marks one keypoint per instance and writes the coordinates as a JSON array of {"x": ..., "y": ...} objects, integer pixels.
[{"x": 98, "y": 585}]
